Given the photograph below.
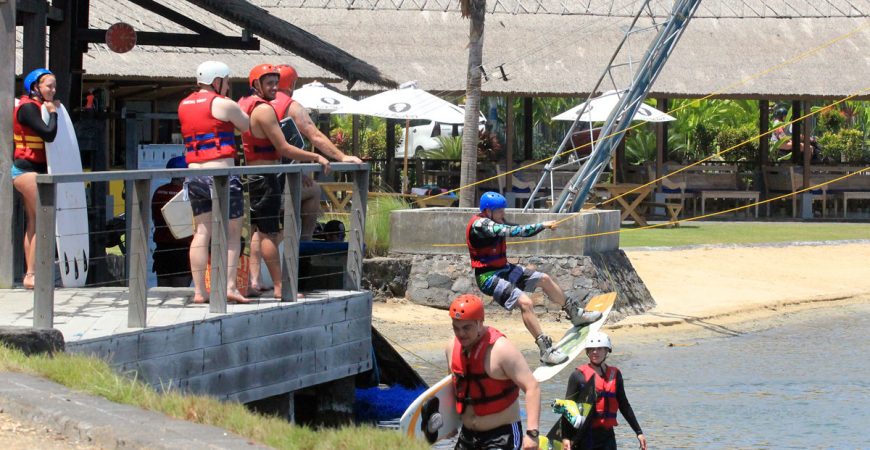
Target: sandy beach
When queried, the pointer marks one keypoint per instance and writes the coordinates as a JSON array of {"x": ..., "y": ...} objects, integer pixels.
[{"x": 699, "y": 292}]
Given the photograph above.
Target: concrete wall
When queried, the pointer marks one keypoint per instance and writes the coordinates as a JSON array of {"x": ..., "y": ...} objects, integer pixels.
[
  {"x": 249, "y": 356},
  {"x": 416, "y": 230}
]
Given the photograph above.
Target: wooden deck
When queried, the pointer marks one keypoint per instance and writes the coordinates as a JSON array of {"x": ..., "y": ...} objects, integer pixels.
[{"x": 252, "y": 352}]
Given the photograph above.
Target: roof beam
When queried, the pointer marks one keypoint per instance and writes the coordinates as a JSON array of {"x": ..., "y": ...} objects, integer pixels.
[
  {"x": 296, "y": 40},
  {"x": 176, "y": 17},
  {"x": 97, "y": 36}
]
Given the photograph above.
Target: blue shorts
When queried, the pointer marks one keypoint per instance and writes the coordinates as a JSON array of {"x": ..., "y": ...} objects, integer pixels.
[
  {"x": 199, "y": 193},
  {"x": 16, "y": 171},
  {"x": 507, "y": 284}
]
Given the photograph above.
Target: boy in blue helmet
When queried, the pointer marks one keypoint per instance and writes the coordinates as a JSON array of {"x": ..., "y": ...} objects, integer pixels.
[{"x": 507, "y": 283}]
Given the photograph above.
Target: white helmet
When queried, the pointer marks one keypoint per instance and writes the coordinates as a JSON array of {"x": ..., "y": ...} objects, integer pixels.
[
  {"x": 209, "y": 70},
  {"x": 598, "y": 339}
]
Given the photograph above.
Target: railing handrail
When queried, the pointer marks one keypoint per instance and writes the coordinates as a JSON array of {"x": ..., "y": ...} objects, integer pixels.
[{"x": 132, "y": 175}]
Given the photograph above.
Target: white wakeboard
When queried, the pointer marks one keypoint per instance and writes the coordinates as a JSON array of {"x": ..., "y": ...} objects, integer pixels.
[
  {"x": 435, "y": 407},
  {"x": 572, "y": 342},
  {"x": 71, "y": 229}
]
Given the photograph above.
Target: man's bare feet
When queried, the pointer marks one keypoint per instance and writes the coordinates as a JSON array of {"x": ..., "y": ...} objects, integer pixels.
[
  {"x": 236, "y": 297},
  {"x": 28, "y": 280},
  {"x": 200, "y": 299}
]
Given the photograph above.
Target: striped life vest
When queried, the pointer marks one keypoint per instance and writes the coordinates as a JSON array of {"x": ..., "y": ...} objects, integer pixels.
[
  {"x": 206, "y": 138},
  {"x": 473, "y": 386},
  {"x": 606, "y": 405},
  {"x": 488, "y": 252},
  {"x": 28, "y": 145}
]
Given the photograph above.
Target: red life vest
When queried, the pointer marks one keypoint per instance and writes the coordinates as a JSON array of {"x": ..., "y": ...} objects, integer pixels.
[
  {"x": 206, "y": 138},
  {"x": 256, "y": 149},
  {"x": 486, "y": 253},
  {"x": 606, "y": 404},
  {"x": 281, "y": 103},
  {"x": 28, "y": 145},
  {"x": 473, "y": 386}
]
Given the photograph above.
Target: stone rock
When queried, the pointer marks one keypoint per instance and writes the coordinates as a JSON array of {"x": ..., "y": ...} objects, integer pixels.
[
  {"x": 461, "y": 286},
  {"x": 32, "y": 341},
  {"x": 386, "y": 277}
]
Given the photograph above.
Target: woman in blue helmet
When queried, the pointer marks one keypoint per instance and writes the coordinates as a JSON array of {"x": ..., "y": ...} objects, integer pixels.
[
  {"x": 30, "y": 134},
  {"x": 507, "y": 283}
]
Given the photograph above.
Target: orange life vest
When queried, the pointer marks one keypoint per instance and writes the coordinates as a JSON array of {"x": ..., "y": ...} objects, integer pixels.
[
  {"x": 606, "y": 404},
  {"x": 488, "y": 252},
  {"x": 473, "y": 386},
  {"x": 256, "y": 149},
  {"x": 28, "y": 145},
  {"x": 206, "y": 138},
  {"x": 281, "y": 103}
]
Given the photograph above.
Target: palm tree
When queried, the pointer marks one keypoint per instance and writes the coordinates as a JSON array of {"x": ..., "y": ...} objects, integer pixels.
[{"x": 475, "y": 10}]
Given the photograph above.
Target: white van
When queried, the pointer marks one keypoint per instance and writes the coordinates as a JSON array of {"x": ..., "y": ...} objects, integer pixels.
[{"x": 425, "y": 137}]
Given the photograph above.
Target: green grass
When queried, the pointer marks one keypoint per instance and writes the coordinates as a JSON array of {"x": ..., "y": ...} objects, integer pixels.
[
  {"x": 93, "y": 376},
  {"x": 701, "y": 233}
]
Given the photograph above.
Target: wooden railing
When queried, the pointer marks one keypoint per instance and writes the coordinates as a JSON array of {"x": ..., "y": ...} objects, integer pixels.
[{"x": 139, "y": 218}]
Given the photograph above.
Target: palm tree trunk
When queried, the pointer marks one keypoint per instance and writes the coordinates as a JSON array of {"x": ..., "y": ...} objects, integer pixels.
[{"x": 468, "y": 172}]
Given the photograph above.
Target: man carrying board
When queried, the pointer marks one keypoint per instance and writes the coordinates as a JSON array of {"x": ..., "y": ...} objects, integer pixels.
[{"x": 488, "y": 373}]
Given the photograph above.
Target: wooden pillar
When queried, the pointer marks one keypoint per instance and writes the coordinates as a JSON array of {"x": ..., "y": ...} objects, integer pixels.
[
  {"x": 357, "y": 232},
  {"x": 796, "y": 132},
  {"x": 391, "y": 155},
  {"x": 763, "y": 156},
  {"x": 510, "y": 139},
  {"x": 355, "y": 150},
  {"x": 7, "y": 89},
  {"x": 137, "y": 251},
  {"x": 60, "y": 50},
  {"x": 528, "y": 132},
  {"x": 661, "y": 140},
  {"x": 33, "y": 54},
  {"x": 619, "y": 162},
  {"x": 292, "y": 235}
]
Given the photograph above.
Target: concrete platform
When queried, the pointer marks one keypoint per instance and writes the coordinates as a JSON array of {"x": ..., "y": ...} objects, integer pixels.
[
  {"x": 416, "y": 230},
  {"x": 252, "y": 352}
]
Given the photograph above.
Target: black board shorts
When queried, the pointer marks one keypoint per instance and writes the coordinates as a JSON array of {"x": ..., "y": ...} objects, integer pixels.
[{"x": 505, "y": 437}]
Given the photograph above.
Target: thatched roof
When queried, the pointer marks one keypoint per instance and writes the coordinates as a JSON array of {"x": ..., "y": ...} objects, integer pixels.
[{"x": 543, "y": 52}]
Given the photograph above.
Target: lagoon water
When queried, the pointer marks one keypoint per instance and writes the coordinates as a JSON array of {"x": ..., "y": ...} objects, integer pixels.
[{"x": 802, "y": 384}]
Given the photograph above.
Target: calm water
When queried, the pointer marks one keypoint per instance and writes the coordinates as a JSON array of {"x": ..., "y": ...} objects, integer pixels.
[{"x": 805, "y": 384}]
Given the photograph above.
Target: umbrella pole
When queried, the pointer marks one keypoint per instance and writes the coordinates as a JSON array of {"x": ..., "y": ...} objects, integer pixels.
[{"x": 405, "y": 170}]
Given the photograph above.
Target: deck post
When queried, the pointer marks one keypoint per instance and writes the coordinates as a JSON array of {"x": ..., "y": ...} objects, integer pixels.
[
  {"x": 137, "y": 249},
  {"x": 356, "y": 241},
  {"x": 292, "y": 233},
  {"x": 43, "y": 291},
  {"x": 220, "y": 206},
  {"x": 7, "y": 87}
]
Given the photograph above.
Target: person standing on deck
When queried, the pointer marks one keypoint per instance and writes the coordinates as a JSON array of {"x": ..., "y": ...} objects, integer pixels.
[
  {"x": 208, "y": 120},
  {"x": 265, "y": 144},
  {"x": 485, "y": 237},
  {"x": 488, "y": 373}
]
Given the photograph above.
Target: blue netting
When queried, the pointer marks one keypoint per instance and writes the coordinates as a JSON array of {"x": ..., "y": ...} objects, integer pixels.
[{"x": 379, "y": 404}]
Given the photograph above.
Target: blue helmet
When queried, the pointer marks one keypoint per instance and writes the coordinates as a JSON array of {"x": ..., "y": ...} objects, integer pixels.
[
  {"x": 492, "y": 200},
  {"x": 33, "y": 78},
  {"x": 176, "y": 163}
]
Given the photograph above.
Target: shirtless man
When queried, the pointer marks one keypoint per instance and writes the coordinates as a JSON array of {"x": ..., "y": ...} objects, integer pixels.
[{"x": 488, "y": 373}]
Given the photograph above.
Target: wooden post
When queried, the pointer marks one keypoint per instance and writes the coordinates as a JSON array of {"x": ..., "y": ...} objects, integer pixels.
[
  {"x": 357, "y": 231},
  {"x": 292, "y": 233},
  {"x": 33, "y": 54},
  {"x": 661, "y": 140},
  {"x": 391, "y": 155},
  {"x": 43, "y": 292},
  {"x": 763, "y": 142},
  {"x": 137, "y": 249},
  {"x": 355, "y": 150},
  {"x": 7, "y": 88},
  {"x": 528, "y": 134},
  {"x": 220, "y": 223},
  {"x": 509, "y": 137},
  {"x": 796, "y": 132}
]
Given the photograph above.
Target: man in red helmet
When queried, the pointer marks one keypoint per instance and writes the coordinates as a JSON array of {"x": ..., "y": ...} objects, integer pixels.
[
  {"x": 488, "y": 372},
  {"x": 265, "y": 144}
]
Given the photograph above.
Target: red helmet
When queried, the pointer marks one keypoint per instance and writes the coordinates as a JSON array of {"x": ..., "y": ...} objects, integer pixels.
[
  {"x": 288, "y": 77},
  {"x": 467, "y": 307},
  {"x": 260, "y": 71}
]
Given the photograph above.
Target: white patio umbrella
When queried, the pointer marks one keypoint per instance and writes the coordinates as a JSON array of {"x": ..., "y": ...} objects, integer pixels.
[
  {"x": 317, "y": 97},
  {"x": 408, "y": 102},
  {"x": 600, "y": 107}
]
